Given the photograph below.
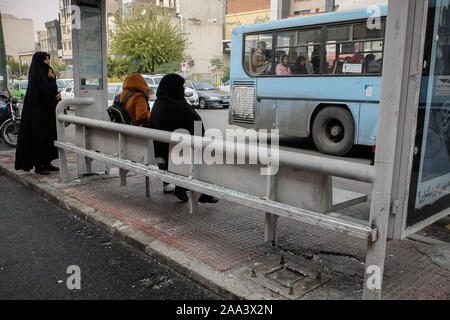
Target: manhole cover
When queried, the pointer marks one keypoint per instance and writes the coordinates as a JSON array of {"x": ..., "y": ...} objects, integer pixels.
[
  {"x": 286, "y": 276},
  {"x": 288, "y": 279}
]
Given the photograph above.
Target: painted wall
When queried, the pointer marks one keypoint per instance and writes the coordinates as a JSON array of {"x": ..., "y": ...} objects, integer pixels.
[
  {"x": 18, "y": 35},
  {"x": 202, "y": 21}
]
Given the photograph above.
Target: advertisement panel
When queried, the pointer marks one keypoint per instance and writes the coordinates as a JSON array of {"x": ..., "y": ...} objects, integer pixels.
[
  {"x": 430, "y": 184},
  {"x": 233, "y": 20}
]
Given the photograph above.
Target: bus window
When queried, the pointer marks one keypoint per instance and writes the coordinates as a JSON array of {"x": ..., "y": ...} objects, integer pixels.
[
  {"x": 258, "y": 54},
  {"x": 354, "y": 49},
  {"x": 303, "y": 49}
]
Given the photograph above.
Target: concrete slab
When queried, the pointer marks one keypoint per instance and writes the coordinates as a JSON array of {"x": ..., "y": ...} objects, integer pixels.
[{"x": 220, "y": 244}]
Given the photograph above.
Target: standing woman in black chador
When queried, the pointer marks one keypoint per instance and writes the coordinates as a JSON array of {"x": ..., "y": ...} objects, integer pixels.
[
  {"x": 37, "y": 131},
  {"x": 169, "y": 113}
]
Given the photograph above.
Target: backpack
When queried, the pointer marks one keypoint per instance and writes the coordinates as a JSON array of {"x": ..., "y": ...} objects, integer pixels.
[{"x": 118, "y": 112}]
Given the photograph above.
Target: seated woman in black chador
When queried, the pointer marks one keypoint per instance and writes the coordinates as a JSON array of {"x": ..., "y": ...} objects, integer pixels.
[
  {"x": 300, "y": 66},
  {"x": 169, "y": 113},
  {"x": 37, "y": 131}
]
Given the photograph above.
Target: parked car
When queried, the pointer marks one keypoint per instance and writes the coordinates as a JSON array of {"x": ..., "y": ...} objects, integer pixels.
[
  {"x": 153, "y": 79},
  {"x": 67, "y": 81},
  {"x": 113, "y": 90},
  {"x": 153, "y": 97},
  {"x": 61, "y": 84},
  {"x": 208, "y": 95},
  {"x": 226, "y": 86},
  {"x": 67, "y": 93},
  {"x": 20, "y": 89},
  {"x": 191, "y": 97}
]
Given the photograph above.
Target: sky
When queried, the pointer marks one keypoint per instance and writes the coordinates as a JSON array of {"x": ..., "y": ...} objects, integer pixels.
[
  {"x": 44, "y": 10},
  {"x": 38, "y": 10}
]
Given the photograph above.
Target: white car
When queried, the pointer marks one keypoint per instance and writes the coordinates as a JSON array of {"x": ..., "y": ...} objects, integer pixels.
[
  {"x": 113, "y": 90},
  {"x": 116, "y": 88},
  {"x": 191, "y": 96},
  {"x": 153, "y": 79},
  {"x": 67, "y": 93},
  {"x": 226, "y": 86}
]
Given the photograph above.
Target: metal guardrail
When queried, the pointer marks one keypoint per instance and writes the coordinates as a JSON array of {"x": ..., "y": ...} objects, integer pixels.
[{"x": 317, "y": 164}]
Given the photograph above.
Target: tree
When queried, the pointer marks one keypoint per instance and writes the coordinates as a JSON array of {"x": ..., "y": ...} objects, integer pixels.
[
  {"x": 118, "y": 67},
  {"x": 226, "y": 74},
  {"x": 166, "y": 68},
  {"x": 147, "y": 40},
  {"x": 216, "y": 63},
  {"x": 57, "y": 67},
  {"x": 15, "y": 68}
]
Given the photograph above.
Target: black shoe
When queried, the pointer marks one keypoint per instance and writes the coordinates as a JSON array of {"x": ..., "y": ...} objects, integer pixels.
[
  {"x": 42, "y": 171},
  {"x": 51, "y": 168},
  {"x": 181, "y": 194},
  {"x": 207, "y": 199}
]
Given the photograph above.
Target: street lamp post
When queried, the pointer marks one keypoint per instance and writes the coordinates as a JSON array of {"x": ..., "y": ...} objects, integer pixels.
[{"x": 3, "y": 74}]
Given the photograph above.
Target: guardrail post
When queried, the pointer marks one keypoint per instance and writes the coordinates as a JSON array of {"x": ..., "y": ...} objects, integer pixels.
[
  {"x": 271, "y": 220},
  {"x": 122, "y": 155},
  {"x": 87, "y": 161},
  {"x": 150, "y": 160},
  {"x": 193, "y": 173},
  {"x": 62, "y": 154}
]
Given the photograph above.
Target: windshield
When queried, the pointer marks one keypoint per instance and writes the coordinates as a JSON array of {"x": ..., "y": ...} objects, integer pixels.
[
  {"x": 157, "y": 80},
  {"x": 24, "y": 85},
  {"x": 201, "y": 86},
  {"x": 111, "y": 91},
  {"x": 155, "y": 88},
  {"x": 60, "y": 84}
]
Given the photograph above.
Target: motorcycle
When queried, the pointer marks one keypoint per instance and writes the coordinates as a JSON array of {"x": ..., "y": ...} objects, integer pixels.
[{"x": 9, "y": 129}]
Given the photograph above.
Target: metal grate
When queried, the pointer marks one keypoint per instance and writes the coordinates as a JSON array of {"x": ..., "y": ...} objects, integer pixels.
[{"x": 243, "y": 102}]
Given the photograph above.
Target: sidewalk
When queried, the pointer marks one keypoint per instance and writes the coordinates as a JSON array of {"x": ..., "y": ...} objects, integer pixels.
[{"x": 222, "y": 247}]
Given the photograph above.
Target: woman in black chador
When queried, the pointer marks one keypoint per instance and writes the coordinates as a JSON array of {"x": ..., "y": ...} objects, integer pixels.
[
  {"x": 37, "y": 131},
  {"x": 169, "y": 113}
]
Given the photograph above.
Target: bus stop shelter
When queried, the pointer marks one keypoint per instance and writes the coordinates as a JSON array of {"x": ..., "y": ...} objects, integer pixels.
[{"x": 412, "y": 165}]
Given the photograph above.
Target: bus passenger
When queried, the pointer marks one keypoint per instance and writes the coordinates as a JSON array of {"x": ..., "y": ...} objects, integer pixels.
[
  {"x": 300, "y": 66},
  {"x": 282, "y": 68},
  {"x": 260, "y": 60},
  {"x": 368, "y": 63}
]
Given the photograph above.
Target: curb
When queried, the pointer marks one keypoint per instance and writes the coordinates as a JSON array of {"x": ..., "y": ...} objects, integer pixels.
[{"x": 193, "y": 269}]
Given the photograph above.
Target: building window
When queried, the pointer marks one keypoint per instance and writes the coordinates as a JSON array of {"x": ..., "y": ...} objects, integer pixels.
[{"x": 302, "y": 12}]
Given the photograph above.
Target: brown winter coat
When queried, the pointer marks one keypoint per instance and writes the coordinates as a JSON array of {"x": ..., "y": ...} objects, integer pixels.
[{"x": 137, "y": 105}]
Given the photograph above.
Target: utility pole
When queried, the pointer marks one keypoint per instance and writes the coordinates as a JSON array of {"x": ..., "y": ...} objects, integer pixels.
[{"x": 3, "y": 74}]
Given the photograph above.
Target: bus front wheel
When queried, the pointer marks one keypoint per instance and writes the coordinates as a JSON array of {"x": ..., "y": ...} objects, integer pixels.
[{"x": 333, "y": 131}]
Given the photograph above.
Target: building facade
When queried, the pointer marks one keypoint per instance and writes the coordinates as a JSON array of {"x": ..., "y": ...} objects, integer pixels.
[
  {"x": 66, "y": 30},
  {"x": 42, "y": 41},
  {"x": 19, "y": 37},
  {"x": 307, "y": 7},
  {"x": 357, "y": 4},
  {"x": 242, "y": 12},
  {"x": 203, "y": 23},
  {"x": 54, "y": 39}
]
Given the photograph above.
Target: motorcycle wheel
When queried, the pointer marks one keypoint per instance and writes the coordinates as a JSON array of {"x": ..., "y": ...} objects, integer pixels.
[{"x": 9, "y": 132}]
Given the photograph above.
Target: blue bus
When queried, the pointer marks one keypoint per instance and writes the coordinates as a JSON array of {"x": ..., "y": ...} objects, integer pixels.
[{"x": 316, "y": 76}]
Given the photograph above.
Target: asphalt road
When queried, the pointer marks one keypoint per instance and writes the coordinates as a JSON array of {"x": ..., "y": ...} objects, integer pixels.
[{"x": 39, "y": 241}]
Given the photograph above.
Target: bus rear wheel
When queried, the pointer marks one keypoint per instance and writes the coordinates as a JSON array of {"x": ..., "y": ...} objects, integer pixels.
[{"x": 333, "y": 131}]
